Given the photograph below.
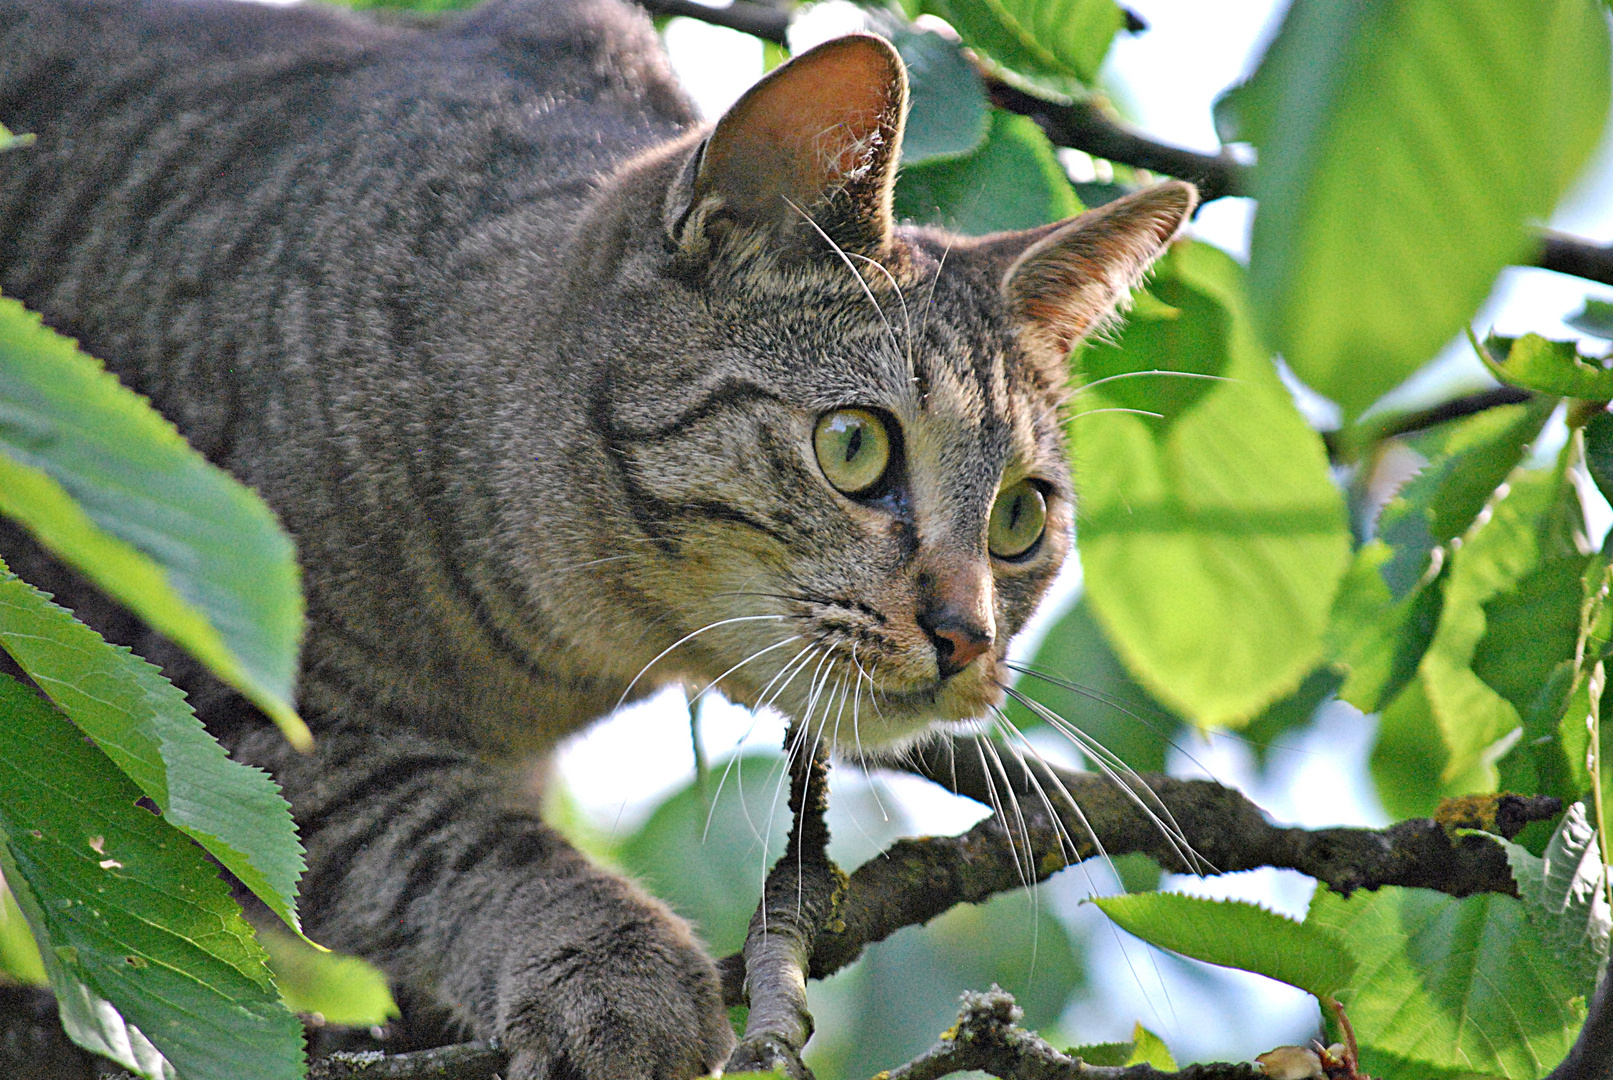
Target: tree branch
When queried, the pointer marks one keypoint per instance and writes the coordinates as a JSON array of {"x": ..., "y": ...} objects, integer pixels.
[
  {"x": 1591, "y": 1056},
  {"x": 761, "y": 20},
  {"x": 1578, "y": 258},
  {"x": 802, "y": 895},
  {"x": 988, "y": 1038}
]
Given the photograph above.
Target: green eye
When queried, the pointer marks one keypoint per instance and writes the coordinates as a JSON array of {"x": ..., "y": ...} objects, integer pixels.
[
  {"x": 1017, "y": 519},
  {"x": 853, "y": 449}
]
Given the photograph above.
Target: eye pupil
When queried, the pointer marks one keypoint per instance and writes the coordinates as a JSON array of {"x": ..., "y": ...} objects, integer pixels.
[{"x": 854, "y": 445}]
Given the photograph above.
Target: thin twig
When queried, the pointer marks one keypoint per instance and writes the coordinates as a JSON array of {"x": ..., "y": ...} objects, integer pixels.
[
  {"x": 1347, "y": 444},
  {"x": 1578, "y": 258}
]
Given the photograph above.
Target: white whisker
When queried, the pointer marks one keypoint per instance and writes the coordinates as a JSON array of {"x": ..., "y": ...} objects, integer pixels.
[{"x": 688, "y": 637}]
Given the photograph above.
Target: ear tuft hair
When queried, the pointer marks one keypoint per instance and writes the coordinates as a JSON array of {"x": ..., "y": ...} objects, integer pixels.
[{"x": 1073, "y": 278}]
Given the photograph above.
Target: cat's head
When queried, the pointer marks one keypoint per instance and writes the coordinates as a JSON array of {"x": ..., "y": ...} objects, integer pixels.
[{"x": 845, "y": 461}]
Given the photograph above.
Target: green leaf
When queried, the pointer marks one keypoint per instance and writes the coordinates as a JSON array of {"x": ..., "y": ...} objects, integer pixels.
[
  {"x": 1463, "y": 984},
  {"x": 1216, "y": 522},
  {"x": 132, "y": 913},
  {"x": 1564, "y": 892},
  {"x": 1149, "y": 1049},
  {"x": 110, "y": 487},
  {"x": 1595, "y": 318},
  {"x": 1012, "y": 182},
  {"x": 342, "y": 989},
  {"x": 144, "y": 724},
  {"x": 709, "y": 862},
  {"x": 1237, "y": 934},
  {"x": 1550, "y": 367},
  {"x": 1599, "y": 452},
  {"x": 1473, "y": 720},
  {"x": 19, "y": 953},
  {"x": 1467, "y": 462},
  {"x": 1104, "y": 1054},
  {"x": 1404, "y": 149},
  {"x": 1409, "y": 759},
  {"x": 948, "y": 114},
  {"x": 1059, "y": 38},
  {"x": 1379, "y": 639},
  {"x": 8, "y": 141}
]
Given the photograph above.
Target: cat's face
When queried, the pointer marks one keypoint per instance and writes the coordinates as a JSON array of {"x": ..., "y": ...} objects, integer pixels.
[{"x": 846, "y": 461}]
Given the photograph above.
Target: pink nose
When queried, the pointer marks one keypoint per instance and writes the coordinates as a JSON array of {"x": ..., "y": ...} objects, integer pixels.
[
  {"x": 957, "y": 615},
  {"x": 965, "y": 646}
]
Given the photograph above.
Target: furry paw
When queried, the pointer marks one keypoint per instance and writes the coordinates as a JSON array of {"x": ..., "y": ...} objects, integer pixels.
[{"x": 610, "y": 986}]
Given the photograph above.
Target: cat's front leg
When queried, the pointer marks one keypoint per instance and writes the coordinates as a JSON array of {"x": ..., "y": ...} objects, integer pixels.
[{"x": 420, "y": 861}]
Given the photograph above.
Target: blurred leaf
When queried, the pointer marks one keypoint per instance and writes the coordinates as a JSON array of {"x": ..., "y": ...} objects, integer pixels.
[
  {"x": 1012, "y": 182},
  {"x": 1404, "y": 148},
  {"x": 1599, "y": 452},
  {"x": 110, "y": 487},
  {"x": 1105, "y": 704},
  {"x": 1218, "y": 522},
  {"x": 1467, "y": 461},
  {"x": 1457, "y": 984},
  {"x": 1531, "y": 628},
  {"x": 342, "y": 989},
  {"x": 19, "y": 953},
  {"x": 1375, "y": 1062},
  {"x": 1550, "y": 367},
  {"x": 1378, "y": 639},
  {"x": 133, "y": 913},
  {"x": 1472, "y": 718},
  {"x": 144, "y": 724},
  {"x": 1409, "y": 758},
  {"x": 712, "y": 873},
  {"x": 948, "y": 114},
  {"x": 904, "y": 990},
  {"x": 1564, "y": 893},
  {"x": 1595, "y": 318},
  {"x": 1104, "y": 1054},
  {"x": 1060, "y": 38},
  {"x": 1236, "y": 934},
  {"x": 8, "y": 141}
]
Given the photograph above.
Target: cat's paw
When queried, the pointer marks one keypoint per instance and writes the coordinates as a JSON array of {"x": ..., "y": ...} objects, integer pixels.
[{"x": 611, "y": 986}]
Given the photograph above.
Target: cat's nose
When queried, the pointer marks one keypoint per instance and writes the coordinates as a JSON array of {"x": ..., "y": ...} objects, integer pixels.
[{"x": 957, "y": 617}]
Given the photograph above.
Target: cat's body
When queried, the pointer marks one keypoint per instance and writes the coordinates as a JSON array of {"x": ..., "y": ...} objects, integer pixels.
[{"x": 533, "y": 375}]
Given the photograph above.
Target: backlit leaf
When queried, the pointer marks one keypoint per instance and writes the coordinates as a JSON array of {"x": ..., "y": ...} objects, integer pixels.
[
  {"x": 1237, "y": 934},
  {"x": 1404, "y": 150},
  {"x": 1458, "y": 984},
  {"x": 1059, "y": 38},
  {"x": 144, "y": 724},
  {"x": 1550, "y": 367},
  {"x": 110, "y": 487},
  {"x": 1212, "y": 538}
]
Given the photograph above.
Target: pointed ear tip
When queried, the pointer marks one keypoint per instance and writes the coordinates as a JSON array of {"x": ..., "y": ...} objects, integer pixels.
[{"x": 872, "y": 46}]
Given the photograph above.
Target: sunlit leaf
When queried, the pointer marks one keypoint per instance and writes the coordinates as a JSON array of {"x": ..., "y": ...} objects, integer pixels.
[
  {"x": 342, "y": 989},
  {"x": 144, "y": 724},
  {"x": 1212, "y": 537},
  {"x": 133, "y": 913},
  {"x": 1404, "y": 149},
  {"x": 110, "y": 487},
  {"x": 1013, "y": 181},
  {"x": 1550, "y": 367},
  {"x": 1457, "y": 984},
  {"x": 1236, "y": 934},
  {"x": 1060, "y": 38}
]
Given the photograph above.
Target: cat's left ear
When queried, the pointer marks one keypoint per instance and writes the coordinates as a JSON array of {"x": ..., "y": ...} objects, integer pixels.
[
  {"x": 809, "y": 152},
  {"x": 1065, "y": 280}
]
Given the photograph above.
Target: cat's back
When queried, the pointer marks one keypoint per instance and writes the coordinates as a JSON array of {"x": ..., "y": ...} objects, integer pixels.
[{"x": 213, "y": 152}]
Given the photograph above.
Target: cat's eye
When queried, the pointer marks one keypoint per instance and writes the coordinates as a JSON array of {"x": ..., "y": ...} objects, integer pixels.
[
  {"x": 1017, "y": 519},
  {"x": 853, "y": 449}
]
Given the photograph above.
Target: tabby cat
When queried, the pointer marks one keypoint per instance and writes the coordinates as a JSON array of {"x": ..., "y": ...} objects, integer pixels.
[{"x": 565, "y": 396}]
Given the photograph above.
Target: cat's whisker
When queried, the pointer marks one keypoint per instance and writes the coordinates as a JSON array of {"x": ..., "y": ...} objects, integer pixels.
[
  {"x": 759, "y": 652},
  {"x": 862, "y": 760},
  {"x": 1009, "y": 726},
  {"x": 1125, "y": 779},
  {"x": 862, "y": 281},
  {"x": 807, "y": 651},
  {"x": 1121, "y": 705},
  {"x": 1163, "y": 372},
  {"x": 691, "y": 637},
  {"x": 907, "y": 321},
  {"x": 981, "y": 744},
  {"x": 1116, "y": 408}
]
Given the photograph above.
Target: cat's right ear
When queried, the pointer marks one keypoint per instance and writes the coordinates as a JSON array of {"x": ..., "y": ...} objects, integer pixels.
[{"x": 808, "y": 155}]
